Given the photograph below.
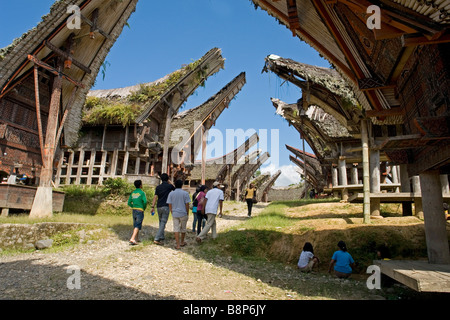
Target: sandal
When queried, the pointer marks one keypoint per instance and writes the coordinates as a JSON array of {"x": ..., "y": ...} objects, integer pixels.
[
  {"x": 133, "y": 243},
  {"x": 183, "y": 244}
]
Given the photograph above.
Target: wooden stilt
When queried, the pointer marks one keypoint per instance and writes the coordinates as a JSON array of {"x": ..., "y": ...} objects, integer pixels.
[
  {"x": 204, "y": 137},
  {"x": 374, "y": 167},
  {"x": 366, "y": 171},
  {"x": 435, "y": 224},
  {"x": 42, "y": 204},
  {"x": 165, "y": 161}
]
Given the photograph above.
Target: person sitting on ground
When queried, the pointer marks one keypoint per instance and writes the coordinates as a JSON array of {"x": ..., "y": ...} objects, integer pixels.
[
  {"x": 342, "y": 262},
  {"x": 307, "y": 260}
]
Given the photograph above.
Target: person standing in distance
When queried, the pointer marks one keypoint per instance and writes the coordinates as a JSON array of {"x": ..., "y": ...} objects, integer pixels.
[
  {"x": 138, "y": 202},
  {"x": 160, "y": 199},
  {"x": 213, "y": 201}
]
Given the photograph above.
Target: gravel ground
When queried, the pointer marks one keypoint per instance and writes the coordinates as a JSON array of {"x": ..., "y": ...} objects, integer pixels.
[{"x": 111, "y": 269}]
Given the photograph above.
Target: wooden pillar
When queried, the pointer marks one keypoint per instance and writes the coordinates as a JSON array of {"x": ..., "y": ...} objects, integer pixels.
[
  {"x": 354, "y": 174},
  {"x": 43, "y": 200},
  {"x": 334, "y": 179},
  {"x": 147, "y": 167},
  {"x": 366, "y": 171},
  {"x": 444, "y": 183},
  {"x": 435, "y": 223},
  {"x": 138, "y": 165},
  {"x": 91, "y": 167},
  {"x": 418, "y": 210},
  {"x": 58, "y": 171},
  {"x": 394, "y": 170},
  {"x": 374, "y": 182},
  {"x": 115, "y": 159},
  {"x": 126, "y": 157},
  {"x": 238, "y": 191},
  {"x": 69, "y": 167},
  {"x": 406, "y": 187},
  {"x": 80, "y": 166},
  {"x": 167, "y": 131},
  {"x": 102, "y": 168},
  {"x": 343, "y": 177},
  {"x": 204, "y": 138}
]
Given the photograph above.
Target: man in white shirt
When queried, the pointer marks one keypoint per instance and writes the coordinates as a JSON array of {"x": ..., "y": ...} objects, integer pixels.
[
  {"x": 178, "y": 201},
  {"x": 213, "y": 201}
]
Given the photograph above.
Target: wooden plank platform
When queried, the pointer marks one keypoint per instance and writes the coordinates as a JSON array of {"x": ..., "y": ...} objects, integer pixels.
[
  {"x": 391, "y": 197},
  {"x": 383, "y": 186},
  {"x": 417, "y": 274},
  {"x": 16, "y": 196}
]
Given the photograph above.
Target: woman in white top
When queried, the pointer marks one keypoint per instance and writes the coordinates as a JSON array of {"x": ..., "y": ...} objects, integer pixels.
[{"x": 307, "y": 260}]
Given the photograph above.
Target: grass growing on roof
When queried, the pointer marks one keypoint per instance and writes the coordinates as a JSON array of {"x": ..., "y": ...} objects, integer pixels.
[{"x": 100, "y": 111}]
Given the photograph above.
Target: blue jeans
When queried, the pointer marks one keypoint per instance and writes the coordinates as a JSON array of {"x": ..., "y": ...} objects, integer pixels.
[
  {"x": 138, "y": 217},
  {"x": 163, "y": 215}
]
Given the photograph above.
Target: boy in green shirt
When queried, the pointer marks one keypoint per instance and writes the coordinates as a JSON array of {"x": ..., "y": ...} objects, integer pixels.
[{"x": 138, "y": 202}]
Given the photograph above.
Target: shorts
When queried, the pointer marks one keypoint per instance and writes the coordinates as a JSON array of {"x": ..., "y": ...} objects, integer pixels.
[
  {"x": 308, "y": 267},
  {"x": 138, "y": 217},
  {"x": 179, "y": 224}
]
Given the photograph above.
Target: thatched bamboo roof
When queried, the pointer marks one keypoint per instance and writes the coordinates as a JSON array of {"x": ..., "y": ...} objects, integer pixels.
[
  {"x": 134, "y": 103},
  {"x": 190, "y": 121},
  {"x": 91, "y": 52}
]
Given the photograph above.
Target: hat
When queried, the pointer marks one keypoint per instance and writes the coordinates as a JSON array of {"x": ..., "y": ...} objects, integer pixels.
[{"x": 216, "y": 183}]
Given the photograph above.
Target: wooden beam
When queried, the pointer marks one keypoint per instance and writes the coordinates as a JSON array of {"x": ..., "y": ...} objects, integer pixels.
[
  {"x": 38, "y": 112},
  {"x": 397, "y": 111},
  {"x": 67, "y": 56},
  {"x": 53, "y": 70},
  {"x": 419, "y": 40}
]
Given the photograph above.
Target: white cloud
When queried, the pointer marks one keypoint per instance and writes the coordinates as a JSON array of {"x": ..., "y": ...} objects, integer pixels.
[{"x": 289, "y": 174}]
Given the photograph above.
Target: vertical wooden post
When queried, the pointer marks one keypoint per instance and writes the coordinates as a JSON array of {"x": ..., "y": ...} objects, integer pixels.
[
  {"x": 43, "y": 200},
  {"x": 91, "y": 167},
  {"x": 418, "y": 210},
  {"x": 125, "y": 163},
  {"x": 69, "y": 167},
  {"x": 444, "y": 183},
  {"x": 395, "y": 180},
  {"x": 80, "y": 166},
  {"x": 406, "y": 187},
  {"x": 354, "y": 173},
  {"x": 137, "y": 166},
  {"x": 366, "y": 171},
  {"x": 435, "y": 224},
  {"x": 167, "y": 130},
  {"x": 59, "y": 169},
  {"x": 304, "y": 165},
  {"x": 115, "y": 159},
  {"x": 102, "y": 168},
  {"x": 343, "y": 177},
  {"x": 334, "y": 179},
  {"x": 204, "y": 137},
  {"x": 374, "y": 167}
]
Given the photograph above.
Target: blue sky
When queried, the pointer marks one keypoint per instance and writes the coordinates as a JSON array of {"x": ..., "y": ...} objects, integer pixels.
[{"x": 164, "y": 35}]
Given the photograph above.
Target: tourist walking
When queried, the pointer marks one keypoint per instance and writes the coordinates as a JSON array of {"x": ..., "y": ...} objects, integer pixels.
[
  {"x": 160, "y": 199},
  {"x": 178, "y": 201},
  {"x": 213, "y": 202},
  {"x": 307, "y": 260},
  {"x": 138, "y": 203},
  {"x": 200, "y": 216},
  {"x": 250, "y": 198},
  {"x": 342, "y": 262}
]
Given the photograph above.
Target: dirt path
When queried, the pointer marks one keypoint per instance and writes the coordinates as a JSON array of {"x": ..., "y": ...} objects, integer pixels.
[{"x": 111, "y": 269}]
